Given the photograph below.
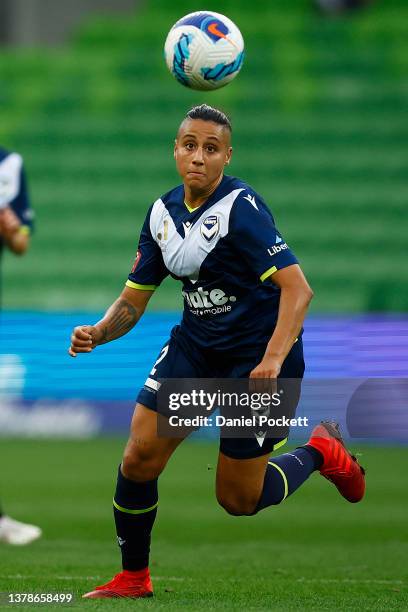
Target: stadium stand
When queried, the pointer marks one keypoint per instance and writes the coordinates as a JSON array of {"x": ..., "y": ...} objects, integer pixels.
[{"x": 320, "y": 129}]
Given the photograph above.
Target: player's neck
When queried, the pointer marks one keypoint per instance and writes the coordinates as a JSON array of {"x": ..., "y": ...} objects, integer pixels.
[{"x": 195, "y": 198}]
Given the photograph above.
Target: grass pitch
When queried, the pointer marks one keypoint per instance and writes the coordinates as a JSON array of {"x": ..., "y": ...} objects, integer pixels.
[{"x": 316, "y": 551}]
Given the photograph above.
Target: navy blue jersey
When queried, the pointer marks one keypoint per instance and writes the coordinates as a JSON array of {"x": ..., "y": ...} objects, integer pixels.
[
  {"x": 13, "y": 189},
  {"x": 223, "y": 252}
]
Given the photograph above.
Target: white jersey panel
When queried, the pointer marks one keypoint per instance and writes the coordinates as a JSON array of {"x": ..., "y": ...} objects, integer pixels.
[
  {"x": 183, "y": 257},
  {"x": 10, "y": 172}
]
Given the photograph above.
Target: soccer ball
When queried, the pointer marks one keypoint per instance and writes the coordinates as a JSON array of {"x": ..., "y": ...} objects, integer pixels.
[{"x": 204, "y": 50}]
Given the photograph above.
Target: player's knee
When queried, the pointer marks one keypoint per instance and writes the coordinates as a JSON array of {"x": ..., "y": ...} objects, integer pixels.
[
  {"x": 141, "y": 463},
  {"x": 238, "y": 505}
]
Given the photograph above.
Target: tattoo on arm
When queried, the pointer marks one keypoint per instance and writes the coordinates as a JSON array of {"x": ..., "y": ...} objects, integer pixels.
[{"x": 120, "y": 320}]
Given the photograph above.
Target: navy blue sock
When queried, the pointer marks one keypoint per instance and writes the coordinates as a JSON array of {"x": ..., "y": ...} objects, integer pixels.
[
  {"x": 285, "y": 473},
  {"x": 135, "y": 509}
]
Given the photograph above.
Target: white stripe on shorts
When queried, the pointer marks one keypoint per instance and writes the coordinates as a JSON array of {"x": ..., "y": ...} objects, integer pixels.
[{"x": 153, "y": 384}]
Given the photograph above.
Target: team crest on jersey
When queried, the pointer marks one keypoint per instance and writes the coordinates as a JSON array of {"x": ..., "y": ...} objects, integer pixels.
[
  {"x": 210, "y": 227},
  {"x": 136, "y": 262}
]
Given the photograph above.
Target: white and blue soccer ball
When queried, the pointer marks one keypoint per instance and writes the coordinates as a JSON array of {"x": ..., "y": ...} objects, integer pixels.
[{"x": 204, "y": 50}]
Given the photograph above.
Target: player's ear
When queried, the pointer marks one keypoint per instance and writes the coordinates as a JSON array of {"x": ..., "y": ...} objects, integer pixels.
[
  {"x": 228, "y": 156},
  {"x": 175, "y": 149}
]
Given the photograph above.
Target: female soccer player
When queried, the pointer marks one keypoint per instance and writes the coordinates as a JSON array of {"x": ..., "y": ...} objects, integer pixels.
[{"x": 245, "y": 299}]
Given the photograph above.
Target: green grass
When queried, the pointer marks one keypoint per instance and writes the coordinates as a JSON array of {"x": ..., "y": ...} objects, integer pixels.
[{"x": 316, "y": 551}]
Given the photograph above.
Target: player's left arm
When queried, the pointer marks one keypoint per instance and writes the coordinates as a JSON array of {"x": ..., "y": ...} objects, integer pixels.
[{"x": 295, "y": 298}]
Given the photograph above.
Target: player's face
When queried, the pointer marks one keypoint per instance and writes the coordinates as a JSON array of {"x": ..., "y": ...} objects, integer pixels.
[{"x": 201, "y": 151}]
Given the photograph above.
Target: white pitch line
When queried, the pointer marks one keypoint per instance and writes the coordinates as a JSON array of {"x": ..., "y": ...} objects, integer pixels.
[
  {"x": 179, "y": 579},
  {"x": 352, "y": 580},
  {"x": 26, "y": 576}
]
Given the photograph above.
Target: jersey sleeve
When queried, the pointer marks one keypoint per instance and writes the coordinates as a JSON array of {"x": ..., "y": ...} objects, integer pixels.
[
  {"x": 148, "y": 269},
  {"x": 14, "y": 191},
  {"x": 255, "y": 236}
]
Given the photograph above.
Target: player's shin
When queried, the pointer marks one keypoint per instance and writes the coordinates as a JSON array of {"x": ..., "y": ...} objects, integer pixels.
[
  {"x": 286, "y": 473},
  {"x": 135, "y": 508}
]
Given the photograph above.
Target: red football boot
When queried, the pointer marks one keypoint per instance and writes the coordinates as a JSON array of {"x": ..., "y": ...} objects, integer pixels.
[
  {"x": 126, "y": 584},
  {"x": 339, "y": 466}
]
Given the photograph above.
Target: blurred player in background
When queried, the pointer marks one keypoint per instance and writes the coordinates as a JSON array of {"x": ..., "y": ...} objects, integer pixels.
[
  {"x": 16, "y": 214},
  {"x": 245, "y": 301},
  {"x": 16, "y": 220}
]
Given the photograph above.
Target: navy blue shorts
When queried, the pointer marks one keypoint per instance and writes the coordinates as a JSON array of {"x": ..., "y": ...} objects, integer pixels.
[{"x": 179, "y": 358}]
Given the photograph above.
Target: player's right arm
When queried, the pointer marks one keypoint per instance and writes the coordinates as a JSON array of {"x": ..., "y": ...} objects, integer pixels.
[{"x": 120, "y": 318}]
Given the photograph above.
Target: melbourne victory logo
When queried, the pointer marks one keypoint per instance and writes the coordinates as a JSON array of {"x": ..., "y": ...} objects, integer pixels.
[{"x": 210, "y": 227}]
